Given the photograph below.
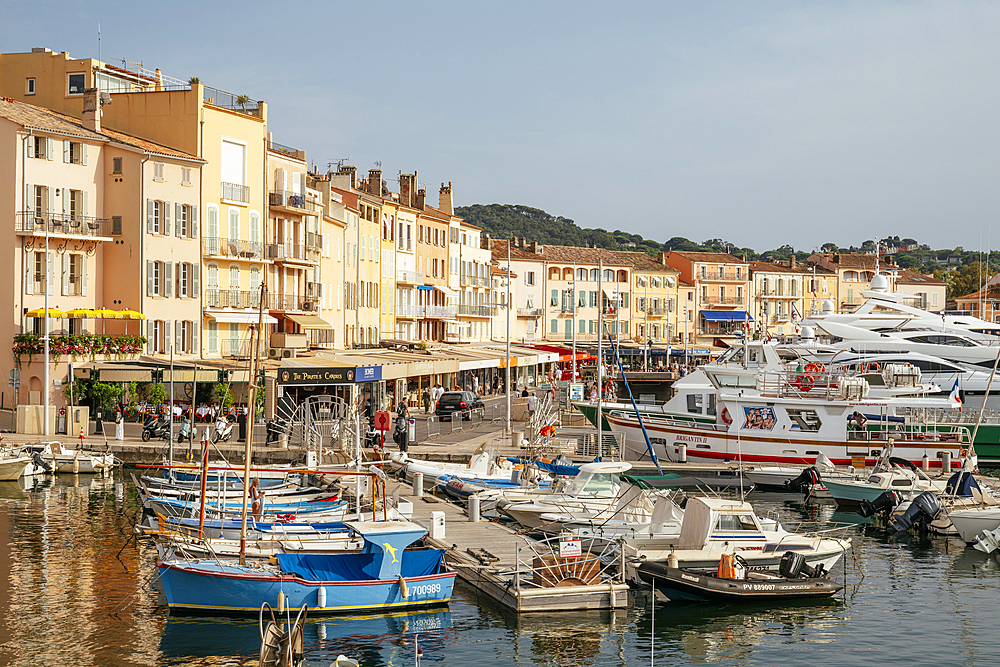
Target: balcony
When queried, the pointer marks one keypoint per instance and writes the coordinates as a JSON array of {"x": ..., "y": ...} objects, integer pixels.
[
  {"x": 440, "y": 312},
  {"x": 723, "y": 300},
  {"x": 409, "y": 311},
  {"x": 233, "y": 298},
  {"x": 37, "y": 222},
  {"x": 291, "y": 252},
  {"x": 292, "y": 302},
  {"x": 295, "y": 201},
  {"x": 657, "y": 312},
  {"x": 314, "y": 241},
  {"x": 294, "y": 340},
  {"x": 238, "y": 103},
  {"x": 476, "y": 311},
  {"x": 722, "y": 276},
  {"x": 236, "y": 192},
  {"x": 530, "y": 312},
  {"x": 249, "y": 250},
  {"x": 314, "y": 290},
  {"x": 475, "y": 281},
  {"x": 239, "y": 348},
  {"x": 410, "y": 277}
]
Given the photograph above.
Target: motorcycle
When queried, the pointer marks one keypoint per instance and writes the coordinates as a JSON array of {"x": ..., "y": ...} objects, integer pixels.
[
  {"x": 223, "y": 429},
  {"x": 154, "y": 427}
]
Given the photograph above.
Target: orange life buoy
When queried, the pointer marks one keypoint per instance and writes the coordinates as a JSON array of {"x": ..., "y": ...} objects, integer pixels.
[
  {"x": 725, "y": 416},
  {"x": 805, "y": 382},
  {"x": 815, "y": 367}
]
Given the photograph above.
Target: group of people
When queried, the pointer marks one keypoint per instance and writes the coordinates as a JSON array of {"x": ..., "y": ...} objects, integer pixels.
[{"x": 431, "y": 396}]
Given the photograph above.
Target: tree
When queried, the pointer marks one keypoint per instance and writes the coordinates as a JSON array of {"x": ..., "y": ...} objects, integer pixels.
[
  {"x": 222, "y": 395},
  {"x": 156, "y": 393},
  {"x": 966, "y": 280},
  {"x": 104, "y": 394}
]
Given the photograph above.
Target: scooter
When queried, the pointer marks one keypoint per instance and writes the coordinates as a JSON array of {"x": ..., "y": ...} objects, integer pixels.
[
  {"x": 154, "y": 427},
  {"x": 223, "y": 429}
]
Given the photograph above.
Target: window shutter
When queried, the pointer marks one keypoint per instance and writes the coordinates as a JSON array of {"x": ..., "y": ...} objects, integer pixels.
[
  {"x": 149, "y": 216},
  {"x": 29, "y": 270},
  {"x": 83, "y": 153},
  {"x": 149, "y": 278},
  {"x": 65, "y": 274},
  {"x": 166, "y": 335},
  {"x": 86, "y": 207},
  {"x": 193, "y": 223},
  {"x": 65, "y": 150},
  {"x": 194, "y": 337},
  {"x": 84, "y": 289},
  {"x": 166, "y": 218},
  {"x": 31, "y": 146},
  {"x": 178, "y": 336},
  {"x": 29, "y": 201},
  {"x": 167, "y": 277},
  {"x": 150, "y": 331},
  {"x": 65, "y": 202},
  {"x": 177, "y": 217},
  {"x": 195, "y": 279},
  {"x": 50, "y": 277}
]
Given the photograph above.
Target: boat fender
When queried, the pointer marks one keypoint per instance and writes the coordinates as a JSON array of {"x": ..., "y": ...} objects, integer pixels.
[
  {"x": 281, "y": 602},
  {"x": 672, "y": 560},
  {"x": 402, "y": 588},
  {"x": 76, "y": 465},
  {"x": 321, "y": 597},
  {"x": 725, "y": 416}
]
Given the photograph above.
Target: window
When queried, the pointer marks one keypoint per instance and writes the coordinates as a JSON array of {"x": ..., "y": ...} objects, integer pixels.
[
  {"x": 554, "y": 326},
  {"x": 185, "y": 175},
  {"x": 554, "y": 300},
  {"x": 594, "y": 273},
  {"x": 529, "y": 278},
  {"x": 158, "y": 171},
  {"x": 39, "y": 146},
  {"x": 116, "y": 165},
  {"x": 157, "y": 217},
  {"x": 183, "y": 279},
  {"x": 75, "y": 83},
  {"x": 29, "y": 86},
  {"x": 183, "y": 214},
  {"x": 73, "y": 152}
]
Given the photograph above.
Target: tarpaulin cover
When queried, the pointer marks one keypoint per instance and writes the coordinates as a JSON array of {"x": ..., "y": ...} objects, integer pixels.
[
  {"x": 569, "y": 471},
  {"x": 357, "y": 567},
  {"x": 964, "y": 486}
]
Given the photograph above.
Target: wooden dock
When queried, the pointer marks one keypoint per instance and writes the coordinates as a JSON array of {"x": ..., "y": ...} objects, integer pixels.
[{"x": 497, "y": 561}]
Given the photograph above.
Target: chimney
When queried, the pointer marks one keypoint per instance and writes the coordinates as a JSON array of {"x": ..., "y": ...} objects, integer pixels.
[
  {"x": 375, "y": 182},
  {"x": 444, "y": 199},
  {"x": 407, "y": 189},
  {"x": 791, "y": 262},
  {"x": 92, "y": 109},
  {"x": 485, "y": 242},
  {"x": 346, "y": 178},
  {"x": 421, "y": 197},
  {"x": 524, "y": 242},
  {"x": 533, "y": 246}
]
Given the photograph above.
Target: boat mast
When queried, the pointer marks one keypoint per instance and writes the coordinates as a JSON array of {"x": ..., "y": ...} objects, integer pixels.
[{"x": 251, "y": 407}]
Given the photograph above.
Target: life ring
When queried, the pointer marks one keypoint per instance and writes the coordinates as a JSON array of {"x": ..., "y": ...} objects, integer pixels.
[
  {"x": 815, "y": 367},
  {"x": 805, "y": 382},
  {"x": 725, "y": 416}
]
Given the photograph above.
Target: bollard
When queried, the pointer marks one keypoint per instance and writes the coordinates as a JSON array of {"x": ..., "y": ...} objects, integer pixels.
[
  {"x": 418, "y": 485},
  {"x": 682, "y": 452},
  {"x": 474, "y": 508},
  {"x": 946, "y": 462}
]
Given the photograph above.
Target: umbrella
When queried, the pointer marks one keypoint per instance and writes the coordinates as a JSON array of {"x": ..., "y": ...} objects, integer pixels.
[
  {"x": 108, "y": 314},
  {"x": 81, "y": 313},
  {"x": 130, "y": 315},
  {"x": 40, "y": 312}
]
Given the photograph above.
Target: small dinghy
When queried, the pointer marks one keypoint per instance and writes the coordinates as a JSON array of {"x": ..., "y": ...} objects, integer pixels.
[{"x": 732, "y": 581}]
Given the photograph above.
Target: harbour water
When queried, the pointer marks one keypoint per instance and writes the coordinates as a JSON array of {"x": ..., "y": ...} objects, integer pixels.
[{"x": 76, "y": 590}]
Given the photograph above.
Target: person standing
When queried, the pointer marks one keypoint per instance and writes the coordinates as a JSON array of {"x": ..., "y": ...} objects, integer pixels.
[
  {"x": 257, "y": 496},
  {"x": 532, "y": 405},
  {"x": 401, "y": 434},
  {"x": 475, "y": 385},
  {"x": 426, "y": 398},
  {"x": 119, "y": 424}
]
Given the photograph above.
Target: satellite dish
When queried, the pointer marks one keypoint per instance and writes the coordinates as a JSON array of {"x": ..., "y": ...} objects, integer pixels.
[
  {"x": 880, "y": 283},
  {"x": 807, "y": 333},
  {"x": 828, "y": 307}
]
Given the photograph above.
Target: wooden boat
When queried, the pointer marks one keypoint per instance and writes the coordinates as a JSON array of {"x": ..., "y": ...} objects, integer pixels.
[
  {"x": 754, "y": 586},
  {"x": 383, "y": 575}
]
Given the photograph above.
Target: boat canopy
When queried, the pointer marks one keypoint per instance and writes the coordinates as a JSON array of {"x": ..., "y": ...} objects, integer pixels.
[
  {"x": 555, "y": 469},
  {"x": 358, "y": 566}
]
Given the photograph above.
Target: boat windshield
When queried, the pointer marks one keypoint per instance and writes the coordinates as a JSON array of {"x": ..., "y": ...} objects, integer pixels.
[
  {"x": 600, "y": 485},
  {"x": 730, "y": 522}
]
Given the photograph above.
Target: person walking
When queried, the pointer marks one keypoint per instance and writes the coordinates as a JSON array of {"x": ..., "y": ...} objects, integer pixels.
[
  {"x": 532, "y": 405},
  {"x": 475, "y": 385},
  {"x": 426, "y": 397},
  {"x": 119, "y": 424}
]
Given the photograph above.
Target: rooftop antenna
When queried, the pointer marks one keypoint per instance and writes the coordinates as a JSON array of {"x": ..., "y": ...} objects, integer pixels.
[
  {"x": 99, "y": 41},
  {"x": 378, "y": 163}
]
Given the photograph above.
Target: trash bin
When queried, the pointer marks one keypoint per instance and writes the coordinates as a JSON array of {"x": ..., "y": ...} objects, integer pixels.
[{"x": 241, "y": 421}]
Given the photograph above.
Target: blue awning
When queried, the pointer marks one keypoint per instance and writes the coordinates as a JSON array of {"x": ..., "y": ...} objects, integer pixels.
[
  {"x": 426, "y": 287},
  {"x": 726, "y": 316}
]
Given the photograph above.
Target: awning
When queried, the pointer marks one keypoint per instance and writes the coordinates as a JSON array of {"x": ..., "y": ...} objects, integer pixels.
[
  {"x": 309, "y": 321},
  {"x": 241, "y": 318},
  {"x": 447, "y": 291},
  {"x": 726, "y": 316},
  {"x": 426, "y": 287}
]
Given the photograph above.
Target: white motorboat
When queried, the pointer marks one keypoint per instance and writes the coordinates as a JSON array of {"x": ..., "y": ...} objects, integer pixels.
[
  {"x": 594, "y": 489},
  {"x": 949, "y": 346},
  {"x": 64, "y": 460},
  {"x": 482, "y": 466},
  {"x": 12, "y": 467},
  {"x": 971, "y": 522},
  {"x": 891, "y": 474},
  {"x": 715, "y": 526}
]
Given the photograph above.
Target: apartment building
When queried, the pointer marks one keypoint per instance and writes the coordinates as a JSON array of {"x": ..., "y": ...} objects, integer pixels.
[
  {"x": 475, "y": 305},
  {"x": 850, "y": 274},
  {"x": 654, "y": 300},
  {"x": 722, "y": 292},
  {"x": 225, "y": 130},
  {"x": 928, "y": 292},
  {"x": 778, "y": 297},
  {"x": 527, "y": 291},
  {"x": 409, "y": 279}
]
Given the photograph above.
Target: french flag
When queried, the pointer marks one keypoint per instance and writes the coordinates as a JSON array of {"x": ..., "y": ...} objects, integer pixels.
[{"x": 953, "y": 396}]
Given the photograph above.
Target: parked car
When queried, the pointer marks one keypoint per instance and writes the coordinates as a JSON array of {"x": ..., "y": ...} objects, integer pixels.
[{"x": 459, "y": 401}]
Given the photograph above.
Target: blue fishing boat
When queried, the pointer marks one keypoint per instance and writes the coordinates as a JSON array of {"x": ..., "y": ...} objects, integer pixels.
[
  {"x": 326, "y": 509},
  {"x": 383, "y": 575}
]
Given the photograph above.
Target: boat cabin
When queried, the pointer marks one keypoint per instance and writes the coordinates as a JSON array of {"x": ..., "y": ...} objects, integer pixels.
[
  {"x": 598, "y": 480},
  {"x": 708, "y": 518}
]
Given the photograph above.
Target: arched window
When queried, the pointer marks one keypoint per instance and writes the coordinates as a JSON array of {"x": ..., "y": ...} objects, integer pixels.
[
  {"x": 554, "y": 273},
  {"x": 581, "y": 274},
  {"x": 212, "y": 279},
  {"x": 609, "y": 276},
  {"x": 254, "y": 229},
  {"x": 623, "y": 276},
  {"x": 567, "y": 274},
  {"x": 234, "y": 276}
]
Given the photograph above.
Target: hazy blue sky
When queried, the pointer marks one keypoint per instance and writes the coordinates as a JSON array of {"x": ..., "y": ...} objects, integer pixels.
[{"x": 759, "y": 122}]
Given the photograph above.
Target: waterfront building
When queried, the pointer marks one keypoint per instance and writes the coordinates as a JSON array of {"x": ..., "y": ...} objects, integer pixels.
[
  {"x": 928, "y": 292},
  {"x": 527, "y": 296},
  {"x": 777, "y": 297},
  {"x": 654, "y": 303},
  {"x": 722, "y": 293}
]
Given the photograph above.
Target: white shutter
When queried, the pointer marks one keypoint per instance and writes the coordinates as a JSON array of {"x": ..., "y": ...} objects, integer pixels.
[
  {"x": 86, "y": 206},
  {"x": 65, "y": 202},
  {"x": 83, "y": 153},
  {"x": 50, "y": 277},
  {"x": 166, "y": 219},
  {"x": 195, "y": 326},
  {"x": 150, "y": 335},
  {"x": 177, "y": 218},
  {"x": 50, "y": 154},
  {"x": 29, "y": 203},
  {"x": 150, "y": 215},
  {"x": 178, "y": 336},
  {"x": 65, "y": 150},
  {"x": 193, "y": 222},
  {"x": 30, "y": 147},
  {"x": 65, "y": 274},
  {"x": 84, "y": 289},
  {"x": 195, "y": 279},
  {"x": 150, "y": 287},
  {"x": 167, "y": 278},
  {"x": 166, "y": 335}
]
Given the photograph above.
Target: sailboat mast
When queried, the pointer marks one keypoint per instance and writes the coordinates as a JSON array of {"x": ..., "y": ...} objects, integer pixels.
[{"x": 251, "y": 417}]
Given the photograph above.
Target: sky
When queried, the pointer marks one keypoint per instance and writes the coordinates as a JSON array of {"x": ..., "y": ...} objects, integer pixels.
[{"x": 762, "y": 123}]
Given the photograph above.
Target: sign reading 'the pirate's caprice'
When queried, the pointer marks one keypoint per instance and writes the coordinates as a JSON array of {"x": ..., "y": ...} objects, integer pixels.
[{"x": 319, "y": 375}]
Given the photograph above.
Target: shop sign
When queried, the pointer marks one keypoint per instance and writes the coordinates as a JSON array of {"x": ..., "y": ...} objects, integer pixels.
[
  {"x": 367, "y": 373},
  {"x": 327, "y": 375}
]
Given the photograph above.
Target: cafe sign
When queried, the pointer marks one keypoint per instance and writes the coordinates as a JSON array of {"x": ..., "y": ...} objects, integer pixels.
[{"x": 322, "y": 375}]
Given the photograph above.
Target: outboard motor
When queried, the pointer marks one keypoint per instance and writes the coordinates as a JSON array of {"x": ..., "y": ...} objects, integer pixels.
[
  {"x": 793, "y": 566},
  {"x": 36, "y": 457},
  {"x": 882, "y": 505},
  {"x": 806, "y": 478},
  {"x": 922, "y": 510}
]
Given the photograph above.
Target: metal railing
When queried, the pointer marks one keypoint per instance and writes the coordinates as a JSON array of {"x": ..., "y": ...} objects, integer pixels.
[
  {"x": 291, "y": 302},
  {"x": 723, "y": 275},
  {"x": 240, "y": 103},
  {"x": 222, "y": 247},
  {"x": 657, "y": 312},
  {"x": 293, "y": 200},
  {"x": 530, "y": 312},
  {"x": 475, "y": 281},
  {"x": 440, "y": 312},
  {"x": 233, "y": 298},
  {"x": 36, "y": 222},
  {"x": 409, "y": 277},
  {"x": 476, "y": 311},
  {"x": 314, "y": 241},
  {"x": 726, "y": 300},
  {"x": 239, "y": 348},
  {"x": 284, "y": 251},
  {"x": 409, "y": 310},
  {"x": 236, "y": 192},
  {"x": 281, "y": 148}
]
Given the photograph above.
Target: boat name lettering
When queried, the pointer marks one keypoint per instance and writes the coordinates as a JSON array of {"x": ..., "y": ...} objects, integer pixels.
[
  {"x": 691, "y": 438},
  {"x": 688, "y": 577},
  {"x": 751, "y": 548},
  {"x": 426, "y": 589},
  {"x": 758, "y": 587}
]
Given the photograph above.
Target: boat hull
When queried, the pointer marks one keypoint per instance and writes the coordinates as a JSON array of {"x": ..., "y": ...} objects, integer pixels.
[
  {"x": 970, "y": 523},
  {"x": 12, "y": 469},
  {"x": 678, "y": 584},
  {"x": 213, "y": 589}
]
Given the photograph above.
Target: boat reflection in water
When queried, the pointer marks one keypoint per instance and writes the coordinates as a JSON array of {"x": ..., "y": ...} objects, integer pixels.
[{"x": 382, "y": 639}]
